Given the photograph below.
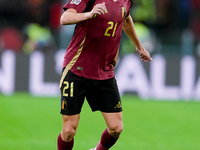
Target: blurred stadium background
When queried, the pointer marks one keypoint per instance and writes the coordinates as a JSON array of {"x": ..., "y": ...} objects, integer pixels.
[{"x": 160, "y": 99}]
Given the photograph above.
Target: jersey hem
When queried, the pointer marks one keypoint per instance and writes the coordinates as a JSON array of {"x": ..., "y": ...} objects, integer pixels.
[{"x": 92, "y": 77}]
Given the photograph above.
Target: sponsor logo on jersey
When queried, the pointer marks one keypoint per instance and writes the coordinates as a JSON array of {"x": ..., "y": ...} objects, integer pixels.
[
  {"x": 79, "y": 68},
  {"x": 77, "y": 2}
]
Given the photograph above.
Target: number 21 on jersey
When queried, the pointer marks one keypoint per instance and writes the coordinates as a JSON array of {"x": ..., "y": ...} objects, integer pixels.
[{"x": 110, "y": 31}]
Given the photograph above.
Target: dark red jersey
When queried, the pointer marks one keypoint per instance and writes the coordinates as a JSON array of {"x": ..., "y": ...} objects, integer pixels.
[{"x": 93, "y": 50}]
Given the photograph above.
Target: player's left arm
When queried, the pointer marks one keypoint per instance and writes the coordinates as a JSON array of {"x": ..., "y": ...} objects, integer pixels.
[{"x": 129, "y": 29}]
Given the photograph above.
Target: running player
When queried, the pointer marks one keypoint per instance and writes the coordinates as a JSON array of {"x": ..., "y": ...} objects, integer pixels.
[{"x": 89, "y": 63}]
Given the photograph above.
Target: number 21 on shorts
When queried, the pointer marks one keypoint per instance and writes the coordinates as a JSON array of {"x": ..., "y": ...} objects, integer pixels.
[{"x": 68, "y": 87}]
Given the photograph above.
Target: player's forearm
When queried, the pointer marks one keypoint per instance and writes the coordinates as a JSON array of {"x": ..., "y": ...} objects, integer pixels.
[
  {"x": 129, "y": 29},
  {"x": 70, "y": 17}
]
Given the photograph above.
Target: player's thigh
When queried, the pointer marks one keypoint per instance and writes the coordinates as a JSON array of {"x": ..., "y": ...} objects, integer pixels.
[
  {"x": 113, "y": 121},
  {"x": 70, "y": 125}
]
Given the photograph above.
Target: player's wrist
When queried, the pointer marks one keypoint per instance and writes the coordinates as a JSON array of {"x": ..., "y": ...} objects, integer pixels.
[
  {"x": 139, "y": 48},
  {"x": 90, "y": 15}
]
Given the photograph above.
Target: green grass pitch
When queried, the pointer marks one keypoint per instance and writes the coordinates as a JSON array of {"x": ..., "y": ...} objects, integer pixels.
[{"x": 33, "y": 123}]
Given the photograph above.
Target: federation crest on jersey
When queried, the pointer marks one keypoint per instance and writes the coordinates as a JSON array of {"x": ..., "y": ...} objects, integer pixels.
[
  {"x": 76, "y": 2},
  {"x": 123, "y": 9}
]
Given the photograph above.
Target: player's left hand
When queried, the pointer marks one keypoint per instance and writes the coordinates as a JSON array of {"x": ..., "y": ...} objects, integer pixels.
[{"x": 144, "y": 55}]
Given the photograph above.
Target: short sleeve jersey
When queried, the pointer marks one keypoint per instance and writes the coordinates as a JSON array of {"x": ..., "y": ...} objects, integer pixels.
[{"x": 93, "y": 50}]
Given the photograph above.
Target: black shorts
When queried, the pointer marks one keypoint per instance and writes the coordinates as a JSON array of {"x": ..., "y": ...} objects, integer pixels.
[{"x": 102, "y": 95}]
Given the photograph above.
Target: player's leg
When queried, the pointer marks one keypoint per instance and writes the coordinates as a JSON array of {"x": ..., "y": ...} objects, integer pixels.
[
  {"x": 114, "y": 123},
  {"x": 73, "y": 92},
  {"x": 112, "y": 132},
  {"x": 66, "y": 137},
  {"x": 106, "y": 98}
]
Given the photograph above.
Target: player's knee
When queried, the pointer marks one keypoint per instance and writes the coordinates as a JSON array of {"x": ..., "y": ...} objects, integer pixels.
[
  {"x": 115, "y": 130},
  {"x": 68, "y": 133},
  {"x": 70, "y": 124}
]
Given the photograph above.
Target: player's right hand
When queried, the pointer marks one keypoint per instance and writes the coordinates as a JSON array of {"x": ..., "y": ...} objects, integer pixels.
[{"x": 98, "y": 9}]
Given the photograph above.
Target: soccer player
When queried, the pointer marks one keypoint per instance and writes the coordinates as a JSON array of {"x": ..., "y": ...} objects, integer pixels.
[{"x": 88, "y": 66}]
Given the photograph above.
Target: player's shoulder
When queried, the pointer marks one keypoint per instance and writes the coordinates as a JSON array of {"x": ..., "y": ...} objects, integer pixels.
[
  {"x": 88, "y": 1},
  {"x": 131, "y": 2},
  {"x": 78, "y": 1},
  {"x": 127, "y": 2}
]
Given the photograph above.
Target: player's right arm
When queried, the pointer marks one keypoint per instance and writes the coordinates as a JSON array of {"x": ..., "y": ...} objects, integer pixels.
[{"x": 70, "y": 16}]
